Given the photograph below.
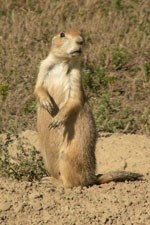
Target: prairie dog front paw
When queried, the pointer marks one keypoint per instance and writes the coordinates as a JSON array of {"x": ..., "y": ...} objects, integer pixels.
[
  {"x": 56, "y": 122},
  {"x": 44, "y": 99},
  {"x": 46, "y": 103}
]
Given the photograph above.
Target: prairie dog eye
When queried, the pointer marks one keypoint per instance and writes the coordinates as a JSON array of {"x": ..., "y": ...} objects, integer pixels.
[{"x": 62, "y": 34}]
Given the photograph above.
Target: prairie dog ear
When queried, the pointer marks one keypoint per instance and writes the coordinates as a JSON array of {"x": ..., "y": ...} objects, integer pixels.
[
  {"x": 54, "y": 37},
  {"x": 54, "y": 40}
]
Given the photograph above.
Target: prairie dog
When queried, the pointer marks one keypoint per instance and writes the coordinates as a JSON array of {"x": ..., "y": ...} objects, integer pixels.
[{"x": 65, "y": 122}]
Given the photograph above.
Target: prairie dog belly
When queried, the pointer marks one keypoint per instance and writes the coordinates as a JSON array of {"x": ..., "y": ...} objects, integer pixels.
[{"x": 57, "y": 82}]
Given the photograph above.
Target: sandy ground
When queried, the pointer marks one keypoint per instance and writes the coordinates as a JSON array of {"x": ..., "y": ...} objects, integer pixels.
[{"x": 41, "y": 202}]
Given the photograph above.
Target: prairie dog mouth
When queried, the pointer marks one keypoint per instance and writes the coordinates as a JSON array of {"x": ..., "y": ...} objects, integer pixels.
[{"x": 76, "y": 52}]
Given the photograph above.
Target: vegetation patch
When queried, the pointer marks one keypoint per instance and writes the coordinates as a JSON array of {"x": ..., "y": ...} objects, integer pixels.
[{"x": 27, "y": 164}]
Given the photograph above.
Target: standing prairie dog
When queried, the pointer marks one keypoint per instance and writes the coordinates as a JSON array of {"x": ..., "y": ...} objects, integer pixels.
[{"x": 65, "y": 122}]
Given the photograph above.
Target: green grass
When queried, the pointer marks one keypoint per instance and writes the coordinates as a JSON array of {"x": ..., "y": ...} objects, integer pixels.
[
  {"x": 120, "y": 57},
  {"x": 30, "y": 107},
  {"x": 109, "y": 117},
  {"x": 147, "y": 71},
  {"x": 4, "y": 89}
]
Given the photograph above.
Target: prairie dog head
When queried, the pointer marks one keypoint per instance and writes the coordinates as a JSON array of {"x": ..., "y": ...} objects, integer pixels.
[{"x": 67, "y": 45}]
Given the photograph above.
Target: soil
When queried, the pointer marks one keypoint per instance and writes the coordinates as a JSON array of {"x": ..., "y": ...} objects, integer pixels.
[{"x": 43, "y": 203}]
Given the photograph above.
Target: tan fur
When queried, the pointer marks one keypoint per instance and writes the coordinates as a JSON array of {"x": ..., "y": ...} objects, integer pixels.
[{"x": 65, "y": 122}]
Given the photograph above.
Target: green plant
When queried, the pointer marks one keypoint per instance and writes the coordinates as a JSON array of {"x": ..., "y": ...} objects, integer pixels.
[
  {"x": 4, "y": 88},
  {"x": 102, "y": 57},
  {"x": 30, "y": 107},
  {"x": 88, "y": 79},
  {"x": 95, "y": 80},
  {"x": 147, "y": 71},
  {"x": 119, "y": 58},
  {"x": 26, "y": 165},
  {"x": 110, "y": 118},
  {"x": 117, "y": 5},
  {"x": 101, "y": 76},
  {"x": 145, "y": 119},
  {"x": 106, "y": 108}
]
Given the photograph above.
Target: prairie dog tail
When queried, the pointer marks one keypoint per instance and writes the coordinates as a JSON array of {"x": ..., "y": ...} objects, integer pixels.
[{"x": 118, "y": 176}]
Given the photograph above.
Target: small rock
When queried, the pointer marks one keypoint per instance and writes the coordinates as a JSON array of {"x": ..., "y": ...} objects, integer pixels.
[
  {"x": 5, "y": 206},
  {"x": 35, "y": 195},
  {"x": 19, "y": 208}
]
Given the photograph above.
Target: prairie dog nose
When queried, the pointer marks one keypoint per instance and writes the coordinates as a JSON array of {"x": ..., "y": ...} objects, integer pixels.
[{"x": 79, "y": 42}]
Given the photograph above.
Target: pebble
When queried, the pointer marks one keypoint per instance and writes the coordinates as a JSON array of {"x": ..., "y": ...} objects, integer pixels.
[
  {"x": 35, "y": 195},
  {"x": 5, "y": 206}
]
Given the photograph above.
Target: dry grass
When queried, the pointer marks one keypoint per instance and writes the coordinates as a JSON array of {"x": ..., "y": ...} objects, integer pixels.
[{"x": 116, "y": 62}]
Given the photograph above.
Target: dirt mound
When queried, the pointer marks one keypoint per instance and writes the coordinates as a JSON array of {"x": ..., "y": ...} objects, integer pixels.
[{"x": 41, "y": 202}]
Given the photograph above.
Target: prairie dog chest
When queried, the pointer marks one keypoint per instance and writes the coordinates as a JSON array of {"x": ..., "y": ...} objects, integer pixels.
[
  {"x": 56, "y": 77},
  {"x": 57, "y": 82}
]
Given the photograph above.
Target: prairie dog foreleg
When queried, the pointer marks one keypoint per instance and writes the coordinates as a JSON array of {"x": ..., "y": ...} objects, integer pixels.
[{"x": 42, "y": 95}]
